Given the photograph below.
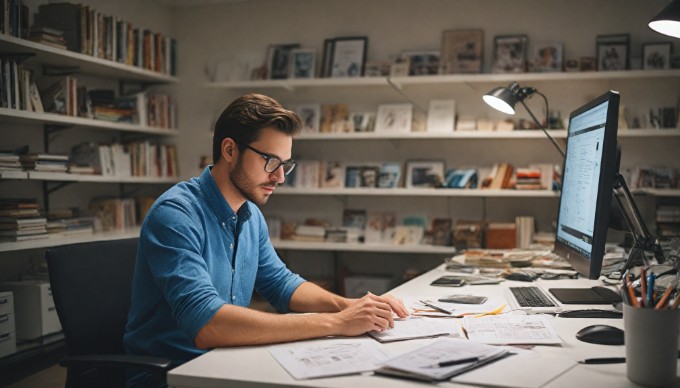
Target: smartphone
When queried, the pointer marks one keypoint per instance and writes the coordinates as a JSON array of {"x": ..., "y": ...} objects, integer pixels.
[
  {"x": 463, "y": 299},
  {"x": 448, "y": 281}
]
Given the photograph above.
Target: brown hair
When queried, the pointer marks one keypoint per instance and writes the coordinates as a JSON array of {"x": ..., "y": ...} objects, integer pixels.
[{"x": 244, "y": 118}]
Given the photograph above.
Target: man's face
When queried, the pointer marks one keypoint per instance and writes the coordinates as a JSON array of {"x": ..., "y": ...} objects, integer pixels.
[{"x": 249, "y": 176}]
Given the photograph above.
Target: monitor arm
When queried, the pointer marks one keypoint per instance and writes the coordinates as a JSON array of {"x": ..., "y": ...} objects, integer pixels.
[{"x": 643, "y": 240}]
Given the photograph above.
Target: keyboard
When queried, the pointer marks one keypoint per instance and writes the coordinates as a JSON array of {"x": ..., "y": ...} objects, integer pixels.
[{"x": 531, "y": 297}]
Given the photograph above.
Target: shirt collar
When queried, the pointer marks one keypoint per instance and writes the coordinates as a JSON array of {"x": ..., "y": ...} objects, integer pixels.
[{"x": 216, "y": 200}]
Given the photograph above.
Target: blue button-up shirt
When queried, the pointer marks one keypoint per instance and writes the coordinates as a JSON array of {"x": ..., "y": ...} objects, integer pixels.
[{"x": 196, "y": 254}]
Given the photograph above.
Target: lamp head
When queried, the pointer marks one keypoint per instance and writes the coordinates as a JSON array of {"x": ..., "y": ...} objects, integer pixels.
[
  {"x": 504, "y": 98},
  {"x": 667, "y": 21}
]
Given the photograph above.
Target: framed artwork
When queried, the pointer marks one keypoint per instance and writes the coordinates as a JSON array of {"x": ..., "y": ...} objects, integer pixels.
[
  {"x": 332, "y": 174},
  {"x": 349, "y": 56},
  {"x": 390, "y": 175},
  {"x": 441, "y": 116},
  {"x": 547, "y": 57},
  {"x": 422, "y": 62},
  {"x": 310, "y": 115},
  {"x": 462, "y": 51},
  {"x": 656, "y": 56},
  {"x": 394, "y": 118},
  {"x": 278, "y": 60},
  {"x": 612, "y": 52},
  {"x": 424, "y": 174},
  {"x": 363, "y": 121},
  {"x": 509, "y": 54},
  {"x": 302, "y": 63}
]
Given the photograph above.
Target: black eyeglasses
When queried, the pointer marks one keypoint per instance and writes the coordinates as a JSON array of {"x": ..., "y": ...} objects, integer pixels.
[{"x": 272, "y": 162}]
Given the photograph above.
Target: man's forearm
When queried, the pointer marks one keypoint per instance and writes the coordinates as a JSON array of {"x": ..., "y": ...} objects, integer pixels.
[{"x": 309, "y": 297}]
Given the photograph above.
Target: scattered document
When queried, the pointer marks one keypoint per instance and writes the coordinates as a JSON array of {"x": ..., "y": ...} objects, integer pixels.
[
  {"x": 511, "y": 330},
  {"x": 423, "y": 363},
  {"x": 308, "y": 360},
  {"x": 457, "y": 310},
  {"x": 417, "y": 327}
]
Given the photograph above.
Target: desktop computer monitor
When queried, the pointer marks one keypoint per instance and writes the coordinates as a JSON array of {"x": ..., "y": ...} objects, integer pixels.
[{"x": 587, "y": 182}]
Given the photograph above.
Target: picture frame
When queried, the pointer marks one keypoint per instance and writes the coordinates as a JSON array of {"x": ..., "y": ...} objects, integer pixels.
[
  {"x": 613, "y": 52},
  {"x": 349, "y": 56},
  {"x": 657, "y": 55},
  {"x": 547, "y": 57},
  {"x": 462, "y": 51},
  {"x": 509, "y": 54},
  {"x": 390, "y": 175},
  {"x": 332, "y": 174},
  {"x": 377, "y": 69},
  {"x": 422, "y": 62},
  {"x": 394, "y": 118},
  {"x": 441, "y": 116},
  {"x": 361, "y": 175},
  {"x": 278, "y": 60},
  {"x": 363, "y": 121},
  {"x": 400, "y": 66},
  {"x": 325, "y": 70},
  {"x": 587, "y": 64},
  {"x": 424, "y": 174},
  {"x": 302, "y": 63},
  {"x": 310, "y": 115}
]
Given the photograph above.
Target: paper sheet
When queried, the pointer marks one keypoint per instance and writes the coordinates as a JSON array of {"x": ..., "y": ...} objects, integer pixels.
[
  {"x": 415, "y": 307},
  {"x": 308, "y": 360},
  {"x": 417, "y": 327},
  {"x": 511, "y": 329}
]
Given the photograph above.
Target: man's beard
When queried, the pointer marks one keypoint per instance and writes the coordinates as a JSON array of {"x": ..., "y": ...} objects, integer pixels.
[{"x": 246, "y": 186}]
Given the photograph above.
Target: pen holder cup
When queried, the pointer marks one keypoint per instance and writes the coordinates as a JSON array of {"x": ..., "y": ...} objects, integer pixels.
[{"x": 651, "y": 338}]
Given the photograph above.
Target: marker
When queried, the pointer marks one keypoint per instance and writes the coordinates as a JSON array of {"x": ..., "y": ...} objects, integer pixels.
[
  {"x": 453, "y": 362},
  {"x": 441, "y": 310},
  {"x": 650, "y": 289}
]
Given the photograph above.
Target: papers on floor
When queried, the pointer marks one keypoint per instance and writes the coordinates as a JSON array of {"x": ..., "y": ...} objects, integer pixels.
[
  {"x": 422, "y": 363},
  {"x": 511, "y": 330},
  {"x": 417, "y": 327},
  {"x": 323, "y": 358}
]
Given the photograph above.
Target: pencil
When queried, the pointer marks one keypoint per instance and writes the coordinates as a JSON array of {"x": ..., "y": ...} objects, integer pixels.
[
  {"x": 662, "y": 302},
  {"x": 643, "y": 286}
]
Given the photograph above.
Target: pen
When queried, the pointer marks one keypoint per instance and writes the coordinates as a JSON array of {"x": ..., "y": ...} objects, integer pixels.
[
  {"x": 650, "y": 289},
  {"x": 441, "y": 310},
  {"x": 454, "y": 362},
  {"x": 605, "y": 360},
  {"x": 643, "y": 286}
]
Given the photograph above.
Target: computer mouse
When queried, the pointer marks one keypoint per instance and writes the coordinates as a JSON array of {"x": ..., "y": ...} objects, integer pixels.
[
  {"x": 521, "y": 276},
  {"x": 601, "y": 335}
]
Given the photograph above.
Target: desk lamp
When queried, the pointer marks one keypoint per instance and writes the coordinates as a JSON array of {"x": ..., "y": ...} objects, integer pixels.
[
  {"x": 505, "y": 98},
  {"x": 667, "y": 21}
]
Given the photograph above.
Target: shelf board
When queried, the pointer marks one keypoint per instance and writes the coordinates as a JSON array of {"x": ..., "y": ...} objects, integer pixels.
[
  {"x": 66, "y": 177},
  {"x": 658, "y": 192},
  {"x": 56, "y": 240},
  {"x": 418, "y": 192},
  {"x": 52, "y": 56},
  {"x": 359, "y": 247},
  {"x": 24, "y": 117},
  {"x": 400, "y": 82}
]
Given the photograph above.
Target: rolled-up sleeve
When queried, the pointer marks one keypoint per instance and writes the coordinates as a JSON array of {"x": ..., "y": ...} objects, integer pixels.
[{"x": 172, "y": 248}]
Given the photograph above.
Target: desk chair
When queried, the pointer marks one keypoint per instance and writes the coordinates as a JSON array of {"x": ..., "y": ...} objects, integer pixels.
[{"x": 91, "y": 285}]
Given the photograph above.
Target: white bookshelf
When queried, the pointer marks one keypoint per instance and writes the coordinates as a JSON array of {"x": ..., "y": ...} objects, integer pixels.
[
  {"x": 57, "y": 239},
  {"x": 360, "y": 247},
  {"x": 67, "y": 177},
  {"x": 418, "y": 192},
  {"x": 47, "y": 55},
  {"x": 23, "y": 117}
]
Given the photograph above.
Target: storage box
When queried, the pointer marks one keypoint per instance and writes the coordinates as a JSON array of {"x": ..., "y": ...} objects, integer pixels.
[
  {"x": 34, "y": 309},
  {"x": 8, "y": 339}
]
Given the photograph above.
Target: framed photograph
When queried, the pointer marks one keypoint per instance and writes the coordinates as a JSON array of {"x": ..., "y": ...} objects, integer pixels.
[
  {"x": 424, "y": 174},
  {"x": 509, "y": 54},
  {"x": 461, "y": 51},
  {"x": 363, "y": 121},
  {"x": 612, "y": 52},
  {"x": 394, "y": 118},
  {"x": 422, "y": 62},
  {"x": 547, "y": 57},
  {"x": 332, "y": 174},
  {"x": 361, "y": 175},
  {"x": 349, "y": 56},
  {"x": 278, "y": 60},
  {"x": 390, "y": 175},
  {"x": 310, "y": 115},
  {"x": 377, "y": 69},
  {"x": 656, "y": 56},
  {"x": 302, "y": 63}
]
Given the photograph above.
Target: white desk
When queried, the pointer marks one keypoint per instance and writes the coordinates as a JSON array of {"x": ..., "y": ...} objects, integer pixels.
[{"x": 255, "y": 367}]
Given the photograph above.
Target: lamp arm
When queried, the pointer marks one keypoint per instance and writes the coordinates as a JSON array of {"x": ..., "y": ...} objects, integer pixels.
[{"x": 561, "y": 151}]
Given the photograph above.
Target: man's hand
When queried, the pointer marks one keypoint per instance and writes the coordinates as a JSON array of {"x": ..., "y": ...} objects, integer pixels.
[{"x": 372, "y": 312}]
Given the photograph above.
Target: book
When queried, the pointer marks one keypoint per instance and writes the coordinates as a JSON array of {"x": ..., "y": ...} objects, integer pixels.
[
  {"x": 332, "y": 174},
  {"x": 441, "y": 116}
]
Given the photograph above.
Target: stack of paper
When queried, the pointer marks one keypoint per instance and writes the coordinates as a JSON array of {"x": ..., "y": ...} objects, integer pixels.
[{"x": 417, "y": 327}]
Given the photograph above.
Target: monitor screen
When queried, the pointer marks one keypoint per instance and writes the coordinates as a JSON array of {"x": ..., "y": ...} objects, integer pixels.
[{"x": 587, "y": 180}]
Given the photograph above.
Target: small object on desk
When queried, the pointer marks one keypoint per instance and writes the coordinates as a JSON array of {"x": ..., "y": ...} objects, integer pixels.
[
  {"x": 593, "y": 295},
  {"x": 444, "y": 364},
  {"x": 591, "y": 313},
  {"x": 463, "y": 299},
  {"x": 521, "y": 276},
  {"x": 430, "y": 305},
  {"x": 651, "y": 278},
  {"x": 601, "y": 335},
  {"x": 448, "y": 281},
  {"x": 604, "y": 360}
]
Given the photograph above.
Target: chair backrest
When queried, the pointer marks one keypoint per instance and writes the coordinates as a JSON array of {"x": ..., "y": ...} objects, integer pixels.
[{"x": 91, "y": 285}]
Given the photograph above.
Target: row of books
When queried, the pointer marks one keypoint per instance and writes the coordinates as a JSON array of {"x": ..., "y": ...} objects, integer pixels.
[
  {"x": 87, "y": 31},
  {"x": 17, "y": 86},
  {"x": 132, "y": 159},
  {"x": 668, "y": 221},
  {"x": 658, "y": 177},
  {"x": 333, "y": 174},
  {"x": 13, "y": 17},
  {"x": 64, "y": 96},
  {"x": 20, "y": 220}
]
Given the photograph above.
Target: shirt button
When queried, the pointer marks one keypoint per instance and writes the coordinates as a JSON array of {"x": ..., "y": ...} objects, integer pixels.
[
  {"x": 233, "y": 270},
  {"x": 231, "y": 246},
  {"x": 224, "y": 225},
  {"x": 233, "y": 297},
  {"x": 233, "y": 217}
]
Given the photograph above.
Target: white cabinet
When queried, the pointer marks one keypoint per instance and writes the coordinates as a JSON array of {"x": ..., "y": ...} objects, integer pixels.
[
  {"x": 8, "y": 343},
  {"x": 35, "y": 313}
]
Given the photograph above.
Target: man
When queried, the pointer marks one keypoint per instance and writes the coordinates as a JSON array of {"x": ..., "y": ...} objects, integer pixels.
[{"x": 204, "y": 247}]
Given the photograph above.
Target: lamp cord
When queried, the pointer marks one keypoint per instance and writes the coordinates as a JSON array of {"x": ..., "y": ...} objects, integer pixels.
[{"x": 552, "y": 139}]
